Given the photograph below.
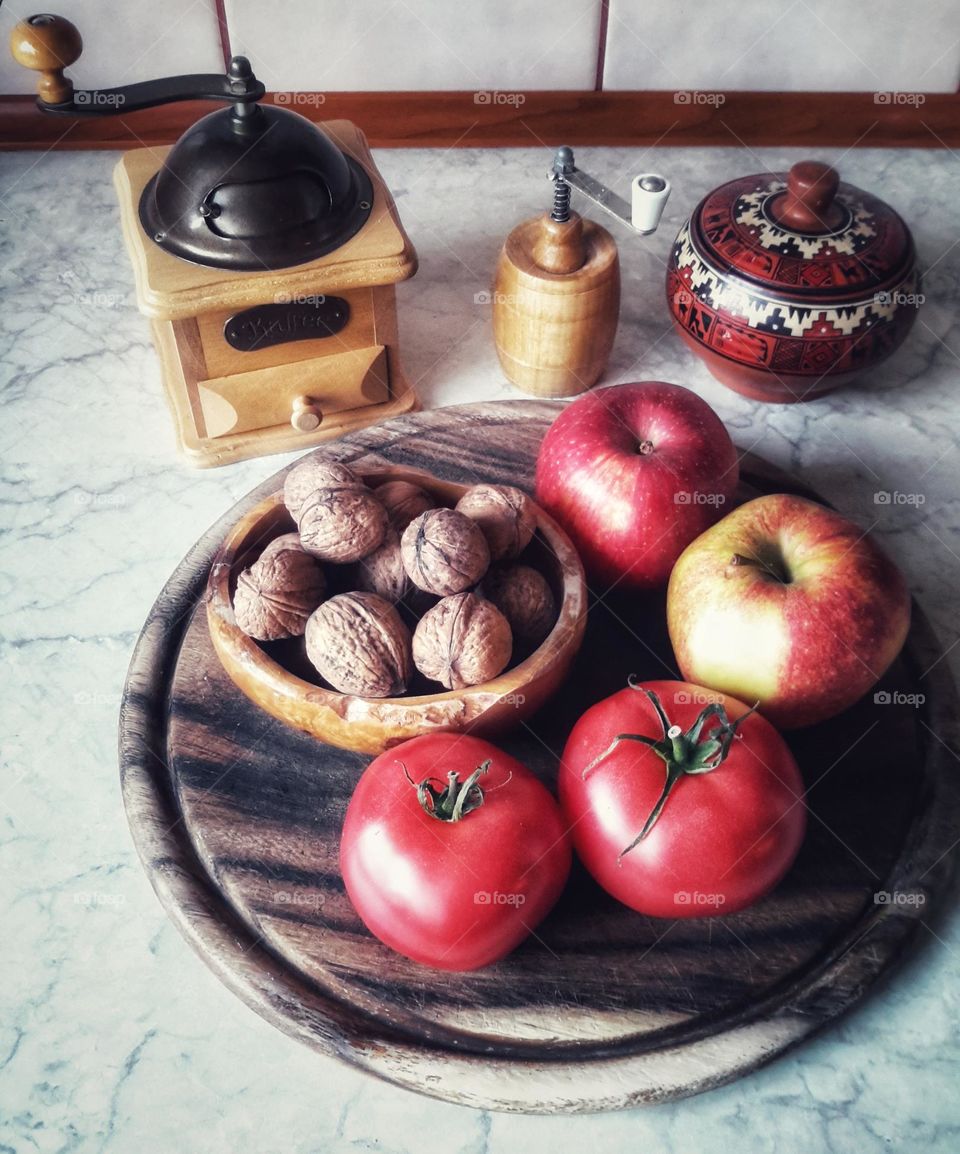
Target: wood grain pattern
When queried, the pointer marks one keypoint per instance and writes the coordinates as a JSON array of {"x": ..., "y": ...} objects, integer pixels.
[
  {"x": 556, "y": 305},
  {"x": 236, "y": 819},
  {"x": 454, "y": 119}
]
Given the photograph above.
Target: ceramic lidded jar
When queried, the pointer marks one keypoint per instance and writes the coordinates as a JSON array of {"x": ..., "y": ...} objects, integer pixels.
[{"x": 790, "y": 286}]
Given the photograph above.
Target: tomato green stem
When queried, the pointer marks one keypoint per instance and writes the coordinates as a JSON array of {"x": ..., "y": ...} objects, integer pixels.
[
  {"x": 674, "y": 773},
  {"x": 678, "y": 743},
  {"x": 456, "y": 799},
  {"x": 683, "y": 754}
]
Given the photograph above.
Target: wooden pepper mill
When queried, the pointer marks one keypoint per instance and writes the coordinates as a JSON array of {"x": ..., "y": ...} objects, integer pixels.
[{"x": 556, "y": 298}]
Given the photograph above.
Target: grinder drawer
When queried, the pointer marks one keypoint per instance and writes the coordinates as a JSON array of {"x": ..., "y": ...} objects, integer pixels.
[{"x": 244, "y": 402}]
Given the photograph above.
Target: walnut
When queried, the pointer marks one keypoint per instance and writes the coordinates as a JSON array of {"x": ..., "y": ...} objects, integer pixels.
[
  {"x": 523, "y": 596},
  {"x": 403, "y": 501},
  {"x": 359, "y": 645},
  {"x": 382, "y": 572},
  {"x": 312, "y": 474},
  {"x": 463, "y": 640},
  {"x": 284, "y": 541},
  {"x": 505, "y": 514},
  {"x": 342, "y": 521},
  {"x": 444, "y": 552},
  {"x": 277, "y": 594}
]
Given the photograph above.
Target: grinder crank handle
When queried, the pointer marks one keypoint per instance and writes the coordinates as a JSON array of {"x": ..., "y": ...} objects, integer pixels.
[
  {"x": 649, "y": 192},
  {"x": 48, "y": 44}
]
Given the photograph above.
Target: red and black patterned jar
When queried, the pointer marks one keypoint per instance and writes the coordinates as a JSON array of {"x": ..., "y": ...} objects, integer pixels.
[{"x": 789, "y": 286}]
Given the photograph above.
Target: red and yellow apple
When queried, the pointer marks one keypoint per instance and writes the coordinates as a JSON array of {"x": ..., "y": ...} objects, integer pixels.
[
  {"x": 787, "y": 603},
  {"x": 634, "y": 473}
]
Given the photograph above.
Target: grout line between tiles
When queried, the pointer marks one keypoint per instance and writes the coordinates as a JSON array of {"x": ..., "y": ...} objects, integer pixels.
[
  {"x": 602, "y": 44},
  {"x": 221, "y": 14}
]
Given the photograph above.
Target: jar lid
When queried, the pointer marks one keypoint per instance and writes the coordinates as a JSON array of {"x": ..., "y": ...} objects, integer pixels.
[{"x": 802, "y": 235}]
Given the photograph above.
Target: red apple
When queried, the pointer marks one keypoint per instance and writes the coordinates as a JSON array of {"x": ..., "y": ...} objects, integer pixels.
[
  {"x": 634, "y": 473},
  {"x": 789, "y": 604}
]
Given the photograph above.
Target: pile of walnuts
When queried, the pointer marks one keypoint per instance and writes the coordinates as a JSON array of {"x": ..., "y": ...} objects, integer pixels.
[{"x": 382, "y": 581}]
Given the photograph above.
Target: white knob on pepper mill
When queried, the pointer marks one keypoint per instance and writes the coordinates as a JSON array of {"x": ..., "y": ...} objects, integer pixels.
[{"x": 649, "y": 193}]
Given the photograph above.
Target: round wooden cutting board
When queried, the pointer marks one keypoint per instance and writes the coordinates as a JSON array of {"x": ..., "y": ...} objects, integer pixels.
[{"x": 237, "y": 820}]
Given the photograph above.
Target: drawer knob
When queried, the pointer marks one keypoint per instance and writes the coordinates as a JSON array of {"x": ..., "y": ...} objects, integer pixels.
[{"x": 306, "y": 415}]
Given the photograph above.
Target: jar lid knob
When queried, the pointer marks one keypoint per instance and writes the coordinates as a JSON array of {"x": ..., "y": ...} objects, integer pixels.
[{"x": 808, "y": 204}]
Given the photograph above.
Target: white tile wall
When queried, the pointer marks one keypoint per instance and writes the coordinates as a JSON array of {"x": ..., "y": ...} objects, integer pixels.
[
  {"x": 507, "y": 45},
  {"x": 123, "y": 41},
  {"x": 790, "y": 45},
  {"x": 518, "y": 45}
]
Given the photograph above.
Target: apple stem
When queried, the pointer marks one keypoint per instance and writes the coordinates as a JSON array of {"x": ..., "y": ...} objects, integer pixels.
[
  {"x": 456, "y": 799},
  {"x": 776, "y": 571},
  {"x": 645, "y": 448},
  {"x": 683, "y": 754}
]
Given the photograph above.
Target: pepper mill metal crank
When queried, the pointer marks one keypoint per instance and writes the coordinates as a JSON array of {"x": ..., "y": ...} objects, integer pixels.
[{"x": 556, "y": 298}]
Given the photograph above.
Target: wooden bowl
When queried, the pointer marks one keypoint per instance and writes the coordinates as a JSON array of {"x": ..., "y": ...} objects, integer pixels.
[{"x": 371, "y": 725}]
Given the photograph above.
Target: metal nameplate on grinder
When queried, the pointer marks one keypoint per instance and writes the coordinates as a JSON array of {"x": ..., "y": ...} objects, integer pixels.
[{"x": 306, "y": 319}]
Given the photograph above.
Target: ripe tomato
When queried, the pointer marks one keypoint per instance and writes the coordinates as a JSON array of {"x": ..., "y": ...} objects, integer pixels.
[
  {"x": 452, "y": 851},
  {"x": 732, "y": 815}
]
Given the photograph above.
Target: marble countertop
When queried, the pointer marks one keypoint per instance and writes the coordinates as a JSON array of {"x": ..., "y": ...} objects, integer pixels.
[{"x": 114, "y": 1036}]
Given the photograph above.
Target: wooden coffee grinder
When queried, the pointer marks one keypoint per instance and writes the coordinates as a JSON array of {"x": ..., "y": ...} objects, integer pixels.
[
  {"x": 265, "y": 250},
  {"x": 556, "y": 299}
]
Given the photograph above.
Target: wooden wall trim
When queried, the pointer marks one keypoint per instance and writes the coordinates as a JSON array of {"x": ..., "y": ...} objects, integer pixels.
[{"x": 456, "y": 119}]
